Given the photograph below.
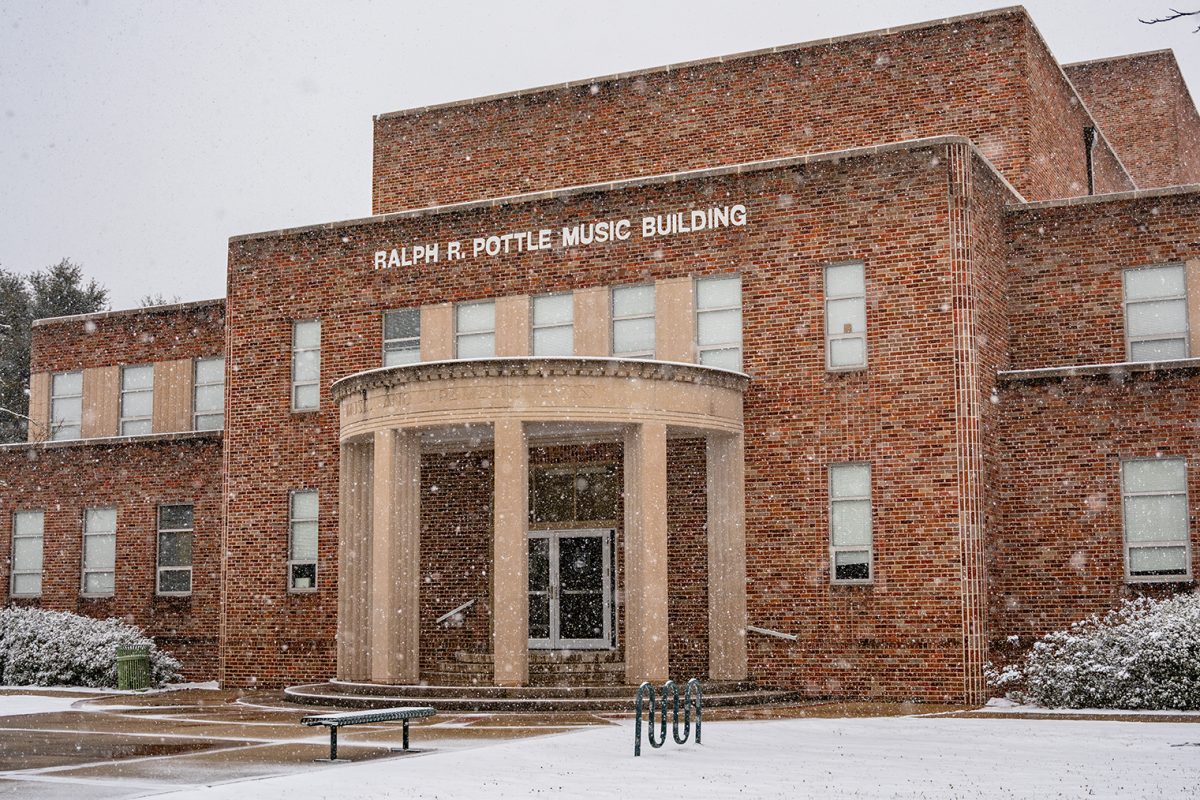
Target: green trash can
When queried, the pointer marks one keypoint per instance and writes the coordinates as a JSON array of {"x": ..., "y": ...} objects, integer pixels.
[{"x": 133, "y": 668}]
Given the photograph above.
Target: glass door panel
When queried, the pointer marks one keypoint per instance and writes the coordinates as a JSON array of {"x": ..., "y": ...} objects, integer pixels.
[
  {"x": 570, "y": 589},
  {"x": 539, "y": 589}
]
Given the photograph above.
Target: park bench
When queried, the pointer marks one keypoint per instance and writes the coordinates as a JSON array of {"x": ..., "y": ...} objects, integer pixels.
[{"x": 335, "y": 721}]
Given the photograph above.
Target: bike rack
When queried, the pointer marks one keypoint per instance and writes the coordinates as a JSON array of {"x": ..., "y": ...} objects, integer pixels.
[{"x": 692, "y": 696}]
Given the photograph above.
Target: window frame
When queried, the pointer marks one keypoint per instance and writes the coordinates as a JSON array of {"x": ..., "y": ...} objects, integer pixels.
[
  {"x": 1130, "y": 338},
  {"x": 123, "y": 418},
  {"x": 158, "y": 566},
  {"x": 830, "y": 338},
  {"x": 78, "y": 423},
  {"x": 84, "y": 570},
  {"x": 296, "y": 352},
  {"x": 615, "y": 318},
  {"x": 869, "y": 548},
  {"x": 197, "y": 385},
  {"x": 293, "y": 562},
  {"x": 534, "y": 327},
  {"x": 1186, "y": 542},
  {"x": 415, "y": 341},
  {"x": 459, "y": 334},
  {"x": 700, "y": 312},
  {"x": 15, "y": 571}
]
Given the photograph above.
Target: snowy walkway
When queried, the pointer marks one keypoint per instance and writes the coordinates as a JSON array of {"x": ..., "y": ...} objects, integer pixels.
[{"x": 898, "y": 757}]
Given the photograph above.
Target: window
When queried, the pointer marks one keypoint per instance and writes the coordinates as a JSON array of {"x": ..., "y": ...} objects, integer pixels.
[
  {"x": 845, "y": 317},
  {"x": 401, "y": 337},
  {"x": 719, "y": 322},
  {"x": 306, "y": 364},
  {"x": 850, "y": 522},
  {"x": 66, "y": 405},
  {"x": 475, "y": 330},
  {"x": 27, "y": 554},
  {"x": 208, "y": 395},
  {"x": 137, "y": 400},
  {"x": 573, "y": 493},
  {"x": 1156, "y": 314},
  {"x": 302, "y": 541},
  {"x": 554, "y": 325},
  {"x": 633, "y": 321},
  {"x": 99, "y": 550},
  {"x": 1155, "y": 510},
  {"x": 175, "y": 528}
]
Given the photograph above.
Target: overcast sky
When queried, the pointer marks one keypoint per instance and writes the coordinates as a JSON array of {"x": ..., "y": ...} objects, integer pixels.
[{"x": 136, "y": 137}]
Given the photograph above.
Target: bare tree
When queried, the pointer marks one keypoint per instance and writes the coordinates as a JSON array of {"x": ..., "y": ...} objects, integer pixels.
[{"x": 1174, "y": 15}]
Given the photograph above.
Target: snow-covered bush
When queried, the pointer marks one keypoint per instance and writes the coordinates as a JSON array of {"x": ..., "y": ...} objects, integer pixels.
[
  {"x": 1143, "y": 655},
  {"x": 57, "y": 648}
]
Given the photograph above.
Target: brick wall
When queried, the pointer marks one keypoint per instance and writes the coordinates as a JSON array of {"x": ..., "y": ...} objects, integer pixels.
[
  {"x": 63, "y": 480},
  {"x": 988, "y": 77},
  {"x": 1142, "y": 104}
]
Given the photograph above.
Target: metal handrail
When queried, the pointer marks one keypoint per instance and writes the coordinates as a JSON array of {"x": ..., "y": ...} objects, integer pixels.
[
  {"x": 450, "y": 614},
  {"x": 693, "y": 687},
  {"x": 791, "y": 637}
]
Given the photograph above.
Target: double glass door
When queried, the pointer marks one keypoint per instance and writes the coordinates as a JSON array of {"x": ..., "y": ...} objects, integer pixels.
[{"x": 570, "y": 589}]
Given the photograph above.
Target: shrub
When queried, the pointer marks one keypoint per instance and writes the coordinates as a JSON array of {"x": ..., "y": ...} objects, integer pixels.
[
  {"x": 57, "y": 648},
  {"x": 1143, "y": 655}
]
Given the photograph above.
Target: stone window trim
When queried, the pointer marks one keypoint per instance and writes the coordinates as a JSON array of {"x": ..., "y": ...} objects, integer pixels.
[
  {"x": 623, "y": 321},
  {"x": 1177, "y": 297},
  {"x": 836, "y": 499},
  {"x": 709, "y": 353},
  {"x": 544, "y": 324},
  {"x": 66, "y": 405},
  {"x": 20, "y": 569},
  {"x": 855, "y": 300},
  {"x": 302, "y": 569},
  {"x": 163, "y": 527},
  {"x": 401, "y": 336},
  {"x": 1184, "y": 542},
  {"x": 306, "y": 366},
  {"x": 203, "y": 416},
  {"x": 90, "y": 536}
]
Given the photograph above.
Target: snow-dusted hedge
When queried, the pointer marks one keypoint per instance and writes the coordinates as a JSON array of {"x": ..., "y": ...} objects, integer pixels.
[
  {"x": 56, "y": 648},
  {"x": 1143, "y": 655}
]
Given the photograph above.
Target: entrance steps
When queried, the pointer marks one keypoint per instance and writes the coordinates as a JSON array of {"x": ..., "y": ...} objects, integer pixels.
[
  {"x": 546, "y": 668},
  {"x": 528, "y": 699}
]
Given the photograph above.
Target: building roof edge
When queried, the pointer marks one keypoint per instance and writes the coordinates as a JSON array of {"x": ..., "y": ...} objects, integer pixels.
[
  {"x": 121, "y": 312},
  {"x": 1113, "y": 197}
]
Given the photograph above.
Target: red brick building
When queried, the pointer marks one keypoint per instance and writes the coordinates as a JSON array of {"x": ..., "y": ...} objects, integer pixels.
[{"x": 841, "y": 367}]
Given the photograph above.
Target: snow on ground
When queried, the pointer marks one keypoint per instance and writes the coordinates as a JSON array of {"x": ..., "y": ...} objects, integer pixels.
[
  {"x": 880, "y": 757},
  {"x": 15, "y": 705}
]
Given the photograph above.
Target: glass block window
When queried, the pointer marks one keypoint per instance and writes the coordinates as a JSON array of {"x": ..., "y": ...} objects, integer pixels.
[
  {"x": 208, "y": 394},
  {"x": 302, "y": 541},
  {"x": 66, "y": 406},
  {"x": 633, "y": 321},
  {"x": 845, "y": 317},
  {"x": 475, "y": 330},
  {"x": 175, "y": 532},
  {"x": 850, "y": 523},
  {"x": 1154, "y": 508},
  {"x": 137, "y": 400},
  {"x": 99, "y": 550},
  {"x": 27, "y": 554},
  {"x": 554, "y": 325},
  {"x": 401, "y": 337},
  {"x": 719, "y": 322},
  {"x": 306, "y": 364},
  {"x": 1156, "y": 314}
]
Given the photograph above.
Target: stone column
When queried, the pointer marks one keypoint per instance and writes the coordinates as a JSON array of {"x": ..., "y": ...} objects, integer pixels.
[
  {"x": 354, "y": 562},
  {"x": 646, "y": 553},
  {"x": 510, "y": 556},
  {"x": 726, "y": 490},
  {"x": 395, "y": 558}
]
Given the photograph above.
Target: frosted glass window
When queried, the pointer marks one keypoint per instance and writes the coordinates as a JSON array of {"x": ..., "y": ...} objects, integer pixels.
[
  {"x": 302, "y": 541},
  {"x": 845, "y": 317},
  {"x": 208, "y": 395},
  {"x": 99, "y": 550},
  {"x": 475, "y": 330},
  {"x": 66, "y": 405},
  {"x": 306, "y": 364},
  {"x": 719, "y": 322},
  {"x": 633, "y": 321},
  {"x": 175, "y": 532},
  {"x": 1154, "y": 508},
  {"x": 554, "y": 325},
  {"x": 1156, "y": 314},
  {"x": 850, "y": 522},
  {"x": 401, "y": 337},
  {"x": 28, "y": 528},
  {"x": 137, "y": 400}
]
